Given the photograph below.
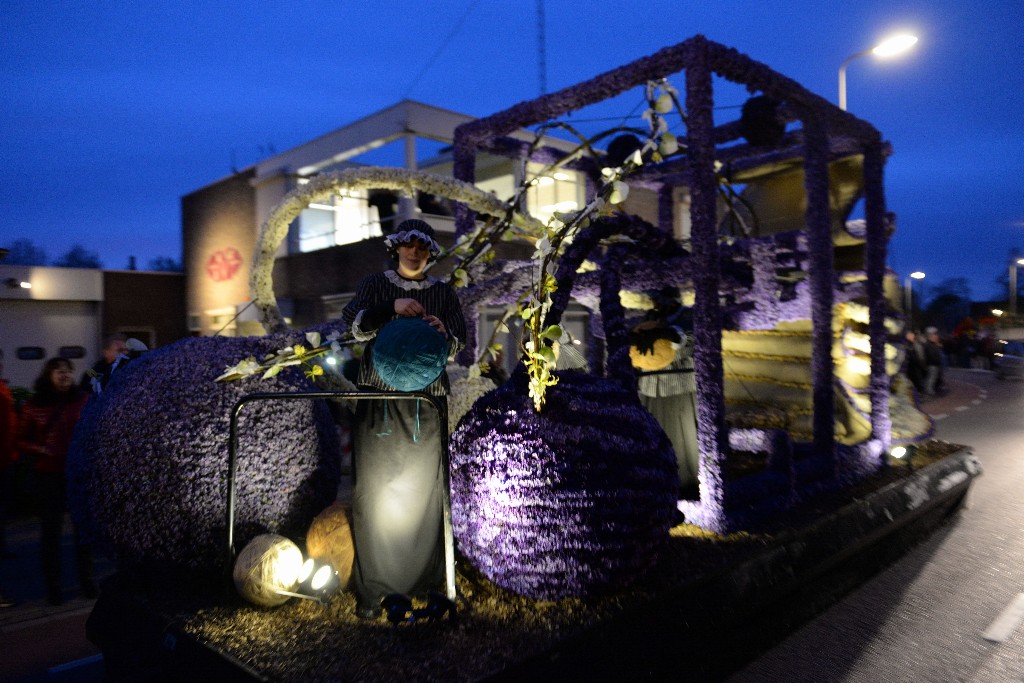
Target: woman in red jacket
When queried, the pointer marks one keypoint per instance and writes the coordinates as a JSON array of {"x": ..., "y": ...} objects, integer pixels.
[
  {"x": 45, "y": 427},
  {"x": 8, "y": 425}
]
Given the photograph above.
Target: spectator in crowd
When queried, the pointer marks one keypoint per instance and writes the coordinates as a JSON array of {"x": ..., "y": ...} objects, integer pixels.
[
  {"x": 914, "y": 365},
  {"x": 8, "y": 426},
  {"x": 669, "y": 393},
  {"x": 45, "y": 427},
  {"x": 8, "y": 458},
  {"x": 934, "y": 383},
  {"x": 966, "y": 348},
  {"x": 986, "y": 349},
  {"x": 114, "y": 347}
]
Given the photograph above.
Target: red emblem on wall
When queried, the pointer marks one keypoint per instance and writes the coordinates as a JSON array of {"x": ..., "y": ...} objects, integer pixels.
[{"x": 222, "y": 265}]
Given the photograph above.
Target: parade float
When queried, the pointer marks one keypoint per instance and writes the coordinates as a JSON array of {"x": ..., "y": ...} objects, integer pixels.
[{"x": 565, "y": 553}]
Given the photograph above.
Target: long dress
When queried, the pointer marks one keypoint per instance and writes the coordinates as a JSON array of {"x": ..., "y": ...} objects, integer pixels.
[
  {"x": 397, "y": 514},
  {"x": 670, "y": 396}
]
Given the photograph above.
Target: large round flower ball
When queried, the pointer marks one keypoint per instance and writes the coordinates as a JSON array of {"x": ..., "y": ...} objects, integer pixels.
[
  {"x": 266, "y": 569},
  {"x": 148, "y": 468},
  {"x": 575, "y": 500},
  {"x": 330, "y": 538}
]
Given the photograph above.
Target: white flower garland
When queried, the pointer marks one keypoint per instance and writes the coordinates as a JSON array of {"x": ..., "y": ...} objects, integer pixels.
[
  {"x": 467, "y": 385},
  {"x": 275, "y": 228}
]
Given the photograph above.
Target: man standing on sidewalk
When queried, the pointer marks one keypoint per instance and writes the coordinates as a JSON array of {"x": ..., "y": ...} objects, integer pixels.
[{"x": 934, "y": 382}]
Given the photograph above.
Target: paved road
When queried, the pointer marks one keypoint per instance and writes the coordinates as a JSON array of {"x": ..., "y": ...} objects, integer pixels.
[{"x": 922, "y": 619}]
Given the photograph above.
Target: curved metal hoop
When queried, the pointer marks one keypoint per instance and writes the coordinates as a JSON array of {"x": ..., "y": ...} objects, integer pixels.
[{"x": 274, "y": 229}]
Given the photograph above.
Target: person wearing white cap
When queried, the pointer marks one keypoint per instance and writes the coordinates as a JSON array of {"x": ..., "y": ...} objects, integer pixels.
[{"x": 397, "y": 521}]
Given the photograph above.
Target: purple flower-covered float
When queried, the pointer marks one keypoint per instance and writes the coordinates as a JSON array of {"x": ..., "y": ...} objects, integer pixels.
[
  {"x": 570, "y": 494},
  {"x": 739, "y": 290}
]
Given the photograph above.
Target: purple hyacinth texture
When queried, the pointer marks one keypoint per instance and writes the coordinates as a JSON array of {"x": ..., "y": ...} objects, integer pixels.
[
  {"x": 573, "y": 501},
  {"x": 148, "y": 467}
]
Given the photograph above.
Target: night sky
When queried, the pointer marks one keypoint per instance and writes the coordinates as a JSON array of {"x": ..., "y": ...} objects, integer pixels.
[{"x": 112, "y": 111}]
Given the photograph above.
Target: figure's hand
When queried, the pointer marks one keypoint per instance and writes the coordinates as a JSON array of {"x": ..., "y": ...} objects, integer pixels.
[
  {"x": 408, "y": 307},
  {"x": 436, "y": 323}
]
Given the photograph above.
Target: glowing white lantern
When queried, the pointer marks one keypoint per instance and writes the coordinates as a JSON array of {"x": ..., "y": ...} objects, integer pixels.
[{"x": 266, "y": 567}]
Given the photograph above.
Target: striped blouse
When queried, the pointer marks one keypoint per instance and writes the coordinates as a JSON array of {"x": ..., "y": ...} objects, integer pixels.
[
  {"x": 677, "y": 378},
  {"x": 373, "y": 307}
]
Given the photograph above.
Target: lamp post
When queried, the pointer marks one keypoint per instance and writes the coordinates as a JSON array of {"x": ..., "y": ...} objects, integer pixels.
[
  {"x": 908, "y": 289},
  {"x": 1013, "y": 284},
  {"x": 887, "y": 48}
]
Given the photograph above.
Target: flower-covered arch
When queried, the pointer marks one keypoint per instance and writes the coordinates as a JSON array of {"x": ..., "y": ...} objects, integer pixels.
[{"x": 275, "y": 228}]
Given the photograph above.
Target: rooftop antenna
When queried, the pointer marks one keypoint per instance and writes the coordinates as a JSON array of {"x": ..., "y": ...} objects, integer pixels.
[{"x": 541, "y": 49}]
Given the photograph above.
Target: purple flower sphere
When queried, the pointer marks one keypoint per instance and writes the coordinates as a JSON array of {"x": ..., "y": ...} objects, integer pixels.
[
  {"x": 148, "y": 467},
  {"x": 573, "y": 501}
]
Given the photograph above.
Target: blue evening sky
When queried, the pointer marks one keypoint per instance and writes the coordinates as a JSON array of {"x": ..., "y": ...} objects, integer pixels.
[{"x": 111, "y": 111}]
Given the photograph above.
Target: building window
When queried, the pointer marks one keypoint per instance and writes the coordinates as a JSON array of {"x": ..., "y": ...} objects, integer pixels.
[
  {"x": 30, "y": 353},
  {"x": 556, "y": 192},
  {"x": 223, "y": 322},
  {"x": 682, "y": 224},
  {"x": 71, "y": 352},
  {"x": 342, "y": 219},
  {"x": 334, "y": 304},
  {"x": 146, "y": 335}
]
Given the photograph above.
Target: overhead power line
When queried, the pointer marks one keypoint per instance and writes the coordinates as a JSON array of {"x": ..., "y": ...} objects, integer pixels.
[{"x": 440, "y": 48}]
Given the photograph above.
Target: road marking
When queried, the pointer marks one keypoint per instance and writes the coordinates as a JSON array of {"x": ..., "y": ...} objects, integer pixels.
[
  {"x": 976, "y": 402},
  {"x": 1007, "y": 621},
  {"x": 961, "y": 409},
  {"x": 77, "y": 664},
  {"x": 940, "y": 416}
]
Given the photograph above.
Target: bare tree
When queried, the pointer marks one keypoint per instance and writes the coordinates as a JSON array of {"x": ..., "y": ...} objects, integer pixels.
[
  {"x": 24, "y": 252},
  {"x": 79, "y": 257},
  {"x": 166, "y": 264}
]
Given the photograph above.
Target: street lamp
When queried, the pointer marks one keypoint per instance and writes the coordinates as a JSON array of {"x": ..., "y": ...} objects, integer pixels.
[
  {"x": 1013, "y": 284},
  {"x": 887, "y": 48},
  {"x": 909, "y": 290}
]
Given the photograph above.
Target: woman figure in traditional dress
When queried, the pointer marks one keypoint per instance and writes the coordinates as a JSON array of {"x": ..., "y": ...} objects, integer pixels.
[
  {"x": 662, "y": 350},
  {"x": 397, "y": 516}
]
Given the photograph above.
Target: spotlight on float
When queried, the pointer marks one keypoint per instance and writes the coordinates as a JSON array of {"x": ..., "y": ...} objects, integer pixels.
[
  {"x": 318, "y": 580},
  {"x": 904, "y": 454},
  {"x": 315, "y": 581}
]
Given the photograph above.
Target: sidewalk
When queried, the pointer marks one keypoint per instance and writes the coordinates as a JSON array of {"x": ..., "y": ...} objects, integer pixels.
[
  {"x": 961, "y": 394},
  {"x": 40, "y": 641},
  {"x": 43, "y": 642}
]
